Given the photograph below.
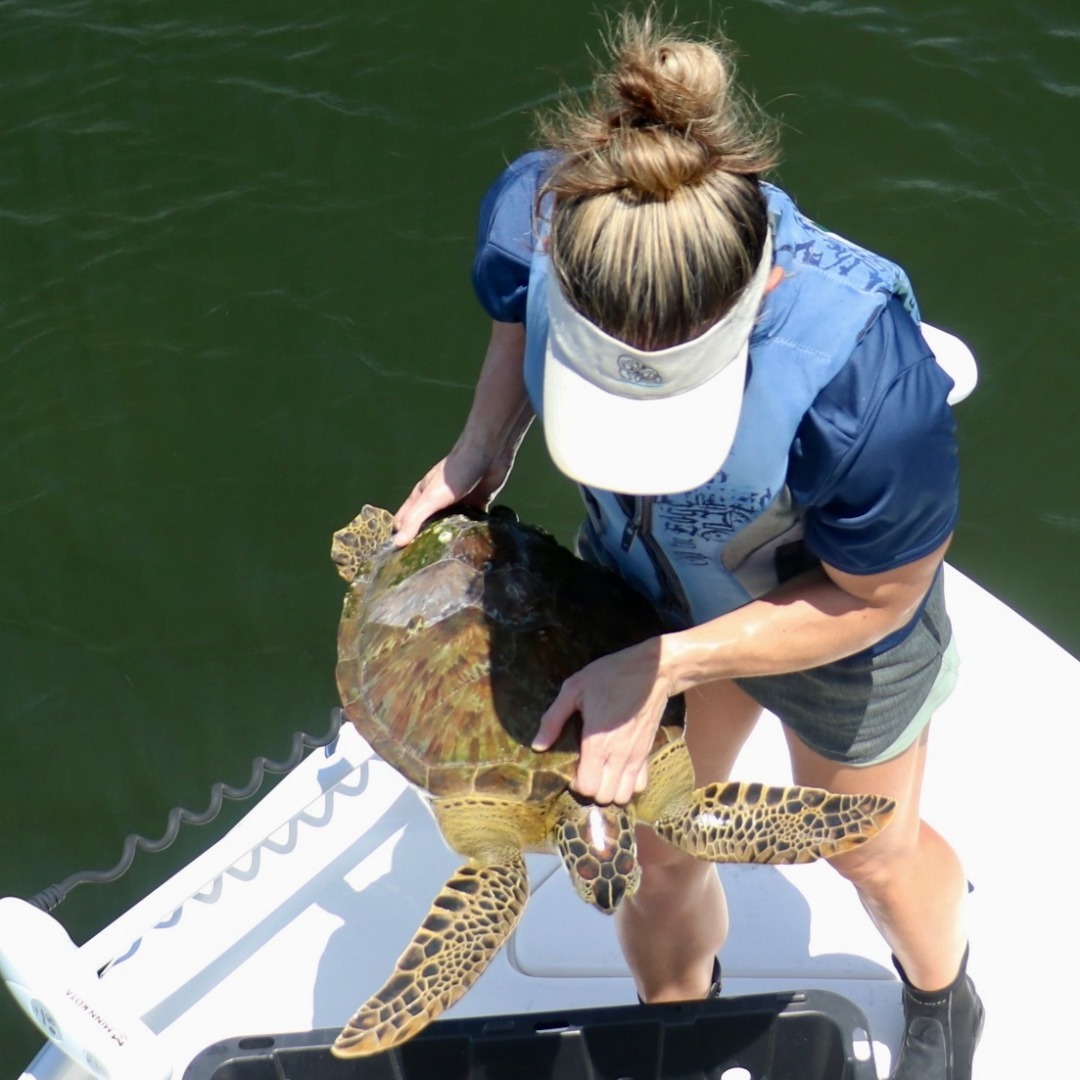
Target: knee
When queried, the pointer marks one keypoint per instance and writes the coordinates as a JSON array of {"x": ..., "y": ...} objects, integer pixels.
[
  {"x": 879, "y": 861},
  {"x": 667, "y": 870},
  {"x": 866, "y": 870}
]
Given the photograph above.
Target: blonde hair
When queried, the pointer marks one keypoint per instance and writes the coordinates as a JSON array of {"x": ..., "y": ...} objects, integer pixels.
[{"x": 658, "y": 218}]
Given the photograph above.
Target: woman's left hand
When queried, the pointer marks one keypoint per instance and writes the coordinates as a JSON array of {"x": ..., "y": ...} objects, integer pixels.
[{"x": 621, "y": 699}]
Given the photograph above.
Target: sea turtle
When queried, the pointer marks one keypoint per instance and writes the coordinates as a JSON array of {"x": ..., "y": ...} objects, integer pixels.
[{"x": 449, "y": 650}]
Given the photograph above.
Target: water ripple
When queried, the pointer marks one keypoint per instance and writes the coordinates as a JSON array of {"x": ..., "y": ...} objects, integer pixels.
[
  {"x": 839, "y": 8},
  {"x": 25, "y": 500},
  {"x": 319, "y": 97},
  {"x": 25, "y": 344},
  {"x": 24, "y": 217},
  {"x": 1069, "y": 523},
  {"x": 190, "y": 204},
  {"x": 949, "y": 37},
  {"x": 1070, "y": 90},
  {"x": 80, "y": 121},
  {"x": 173, "y": 30},
  {"x": 944, "y": 190}
]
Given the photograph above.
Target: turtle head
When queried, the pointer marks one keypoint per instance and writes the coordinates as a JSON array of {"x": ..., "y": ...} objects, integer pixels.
[
  {"x": 354, "y": 546},
  {"x": 598, "y": 847}
]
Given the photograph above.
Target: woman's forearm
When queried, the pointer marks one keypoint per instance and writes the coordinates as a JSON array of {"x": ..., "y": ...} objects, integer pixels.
[
  {"x": 812, "y": 620},
  {"x": 477, "y": 467},
  {"x": 501, "y": 412}
]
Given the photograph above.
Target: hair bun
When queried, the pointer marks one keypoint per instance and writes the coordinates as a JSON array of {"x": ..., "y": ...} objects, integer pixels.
[
  {"x": 666, "y": 115},
  {"x": 675, "y": 84},
  {"x": 665, "y": 100},
  {"x": 655, "y": 185}
]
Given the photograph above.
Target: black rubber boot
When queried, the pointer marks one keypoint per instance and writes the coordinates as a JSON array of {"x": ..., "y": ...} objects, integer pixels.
[
  {"x": 714, "y": 986},
  {"x": 941, "y": 1029},
  {"x": 717, "y": 983}
]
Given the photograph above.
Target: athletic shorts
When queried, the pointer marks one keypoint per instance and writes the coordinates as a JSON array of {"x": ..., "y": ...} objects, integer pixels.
[{"x": 867, "y": 709}]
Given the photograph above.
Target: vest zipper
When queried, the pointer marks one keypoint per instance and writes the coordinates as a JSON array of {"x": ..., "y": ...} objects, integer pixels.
[
  {"x": 639, "y": 523},
  {"x": 633, "y": 506}
]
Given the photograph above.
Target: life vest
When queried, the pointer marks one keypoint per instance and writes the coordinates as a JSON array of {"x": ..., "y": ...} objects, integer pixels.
[{"x": 701, "y": 553}]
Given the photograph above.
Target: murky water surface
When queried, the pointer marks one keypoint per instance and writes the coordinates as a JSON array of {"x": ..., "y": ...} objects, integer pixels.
[{"x": 235, "y": 305}]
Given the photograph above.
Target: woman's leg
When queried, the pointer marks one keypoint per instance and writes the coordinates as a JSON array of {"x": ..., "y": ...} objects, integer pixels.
[
  {"x": 912, "y": 884},
  {"x": 909, "y": 879},
  {"x": 674, "y": 925}
]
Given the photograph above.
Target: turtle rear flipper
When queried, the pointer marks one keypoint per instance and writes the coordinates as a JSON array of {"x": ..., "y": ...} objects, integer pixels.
[
  {"x": 757, "y": 823},
  {"x": 468, "y": 923}
]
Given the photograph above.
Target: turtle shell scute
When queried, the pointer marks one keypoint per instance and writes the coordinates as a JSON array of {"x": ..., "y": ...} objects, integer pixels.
[{"x": 449, "y": 653}]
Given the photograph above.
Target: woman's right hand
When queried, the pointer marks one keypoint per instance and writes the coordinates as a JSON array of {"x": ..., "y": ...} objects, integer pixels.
[
  {"x": 456, "y": 479},
  {"x": 474, "y": 472}
]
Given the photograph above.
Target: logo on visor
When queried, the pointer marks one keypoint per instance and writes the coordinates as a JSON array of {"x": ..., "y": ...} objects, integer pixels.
[{"x": 634, "y": 370}]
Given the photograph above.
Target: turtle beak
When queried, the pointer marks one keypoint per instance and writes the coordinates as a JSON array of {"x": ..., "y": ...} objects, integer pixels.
[{"x": 607, "y": 895}]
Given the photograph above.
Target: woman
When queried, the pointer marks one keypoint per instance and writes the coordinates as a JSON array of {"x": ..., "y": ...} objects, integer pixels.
[{"x": 764, "y": 448}]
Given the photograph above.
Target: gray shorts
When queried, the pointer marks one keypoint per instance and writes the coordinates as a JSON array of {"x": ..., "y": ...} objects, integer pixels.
[{"x": 867, "y": 709}]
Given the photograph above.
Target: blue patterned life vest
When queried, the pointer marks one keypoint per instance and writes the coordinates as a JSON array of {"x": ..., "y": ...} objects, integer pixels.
[{"x": 702, "y": 553}]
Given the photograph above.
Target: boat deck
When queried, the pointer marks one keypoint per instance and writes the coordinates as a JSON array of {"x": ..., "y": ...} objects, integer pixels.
[{"x": 300, "y": 911}]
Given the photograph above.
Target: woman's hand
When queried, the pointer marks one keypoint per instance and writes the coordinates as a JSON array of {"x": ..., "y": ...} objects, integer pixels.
[
  {"x": 458, "y": 478},
  {"x": 476, "y": 469},
  {"x": 621, "y": 699}
]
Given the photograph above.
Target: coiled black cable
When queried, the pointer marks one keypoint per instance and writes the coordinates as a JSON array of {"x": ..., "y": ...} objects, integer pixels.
[{"x": 48, "y": 898}]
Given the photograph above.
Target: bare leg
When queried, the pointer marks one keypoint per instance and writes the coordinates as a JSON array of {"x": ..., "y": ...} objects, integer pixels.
[
  {"x": 909, "y": 880},
  {"x": 675, "y": 924}
]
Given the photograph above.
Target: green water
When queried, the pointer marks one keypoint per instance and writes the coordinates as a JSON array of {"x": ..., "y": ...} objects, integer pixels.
[{"x": 235, "y": 305}]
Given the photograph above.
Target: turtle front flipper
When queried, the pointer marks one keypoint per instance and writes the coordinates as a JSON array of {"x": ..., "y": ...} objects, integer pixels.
[
  {"x": 468, "y": 923},
  {"x": 757, "y": 823}
]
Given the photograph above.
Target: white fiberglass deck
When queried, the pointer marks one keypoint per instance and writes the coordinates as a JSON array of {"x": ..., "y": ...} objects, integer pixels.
[{"x": 300, "y": 911}]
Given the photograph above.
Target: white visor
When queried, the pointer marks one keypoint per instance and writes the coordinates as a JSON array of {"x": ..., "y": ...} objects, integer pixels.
[{"x": 645, "y": 423}]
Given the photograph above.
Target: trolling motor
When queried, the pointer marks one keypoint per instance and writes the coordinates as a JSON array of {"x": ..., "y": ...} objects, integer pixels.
[{"x": 61, "y": 992}]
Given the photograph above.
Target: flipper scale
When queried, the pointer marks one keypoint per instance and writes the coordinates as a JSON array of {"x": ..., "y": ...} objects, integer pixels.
[
  {"x": 759, "y": 823},
  {"x": 468, "y": 923}
]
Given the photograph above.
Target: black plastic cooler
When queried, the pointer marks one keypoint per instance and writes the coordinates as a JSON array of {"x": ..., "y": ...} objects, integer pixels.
[{"x": 806, "y": 1035}]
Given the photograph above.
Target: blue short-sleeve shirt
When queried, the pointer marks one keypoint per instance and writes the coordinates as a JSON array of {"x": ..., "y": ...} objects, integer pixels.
[{"x": 873, "y": 464}]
